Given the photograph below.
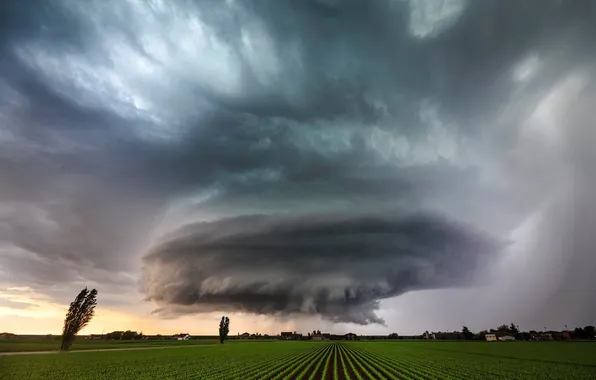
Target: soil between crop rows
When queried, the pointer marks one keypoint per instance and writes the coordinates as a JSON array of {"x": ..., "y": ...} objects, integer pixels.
[{"x": 314, "y": 360}]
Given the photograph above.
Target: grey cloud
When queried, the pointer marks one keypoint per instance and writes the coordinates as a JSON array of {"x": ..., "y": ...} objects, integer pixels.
[
  {"x": 338, "y": 267},
  {"x": 17, "y": 304},
  {"x": 122, "y": 123}
]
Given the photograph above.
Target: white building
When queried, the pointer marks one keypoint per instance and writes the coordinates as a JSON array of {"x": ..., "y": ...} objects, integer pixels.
[
  {"x": 182, "y": 337},
  {"x": 506, "y": 338}
]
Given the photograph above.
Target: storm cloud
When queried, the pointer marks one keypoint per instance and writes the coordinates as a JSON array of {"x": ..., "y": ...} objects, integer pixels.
[
  {"x": 287, "y": 158},
  {"x": 337, "y": 267}
]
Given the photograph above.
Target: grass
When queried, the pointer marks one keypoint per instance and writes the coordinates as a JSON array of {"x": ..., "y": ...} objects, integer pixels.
[
  {"x": 318, "y": 360},
  {"x": 82, "y": 344}
]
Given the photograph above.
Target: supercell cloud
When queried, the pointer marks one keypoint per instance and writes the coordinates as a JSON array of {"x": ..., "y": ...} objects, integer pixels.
[
  {"x": 291, "y": 158},
  {"x": 334, "y": 266}
]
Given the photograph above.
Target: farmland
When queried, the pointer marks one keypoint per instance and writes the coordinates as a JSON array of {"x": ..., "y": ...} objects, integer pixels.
[
  {"x": 24, "y": 345},
  {"x": 317, "y": 360}
]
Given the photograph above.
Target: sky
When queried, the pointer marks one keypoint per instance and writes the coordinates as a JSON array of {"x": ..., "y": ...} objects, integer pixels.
[{"x": 374, "y": 167}]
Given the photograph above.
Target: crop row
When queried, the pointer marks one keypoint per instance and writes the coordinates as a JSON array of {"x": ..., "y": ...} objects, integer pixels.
[
  {"x": 369, "y": 360},
  {"x": 480, "y": 360},
  {"x": 336, "y": 361},
  {"x": 311, "y": 360}
]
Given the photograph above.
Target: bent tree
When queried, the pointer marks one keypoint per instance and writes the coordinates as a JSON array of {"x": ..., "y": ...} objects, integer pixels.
[
  {"x": 224, "y": 328},
  {"x": 79, "y": 314}
]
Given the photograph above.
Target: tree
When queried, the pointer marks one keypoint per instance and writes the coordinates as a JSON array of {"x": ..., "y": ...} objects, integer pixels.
[
  {"x": 114, "y": 335},
  {"x": 79, "y": 314},
  {"x": 590, "y": 332},
  {"x": 514, "y": 328},
  {"x": 224, "y": 328},
  {"x": 468, "y": 335},
  {"x": 129, "y": 335}
]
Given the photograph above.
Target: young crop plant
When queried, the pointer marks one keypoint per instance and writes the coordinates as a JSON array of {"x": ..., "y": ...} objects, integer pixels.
[
  {"x": 311, "y": 363},
  {"x": 351, "y": 364},
  {"x": 335, "y": 368},
  {"x": 291, "y": 368},
  {"x": 328, "y": 361},
  {"x": 310, "y": 360},
  {"x": 320, "y": 361}
]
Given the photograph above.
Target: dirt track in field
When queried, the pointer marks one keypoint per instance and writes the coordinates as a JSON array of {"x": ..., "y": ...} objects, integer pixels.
[{"x": 100, "y": 349}]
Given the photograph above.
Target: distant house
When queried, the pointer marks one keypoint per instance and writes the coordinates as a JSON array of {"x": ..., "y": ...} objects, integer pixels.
[
  {"x": 506, "y": 338},
  {"x": 428, "y": 335},
  {"x": 490, "y": 337},
  {"x": 245, "y": 336},
  {"x": 545, "y": 336},
  {"x": 324, "y": 336},
  {"x": 95, "y": 337},
  {"x": 182, "y": 337},
  {"x": 350, "y": 336},
  {"x": 288, "y": 335},
  {"x": 6, "y": 335}
]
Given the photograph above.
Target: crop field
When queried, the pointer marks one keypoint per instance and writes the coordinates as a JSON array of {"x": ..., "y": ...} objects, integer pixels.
[
  {"x": 54, "y": 344},
  {"x": 317, "y": 360}
]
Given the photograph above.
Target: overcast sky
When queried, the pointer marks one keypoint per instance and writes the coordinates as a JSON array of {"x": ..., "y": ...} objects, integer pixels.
[{"x": 366, "y": 166}]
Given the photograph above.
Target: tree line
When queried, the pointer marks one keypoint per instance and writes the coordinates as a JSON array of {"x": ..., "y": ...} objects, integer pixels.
[{"x": 82, "y": 310}]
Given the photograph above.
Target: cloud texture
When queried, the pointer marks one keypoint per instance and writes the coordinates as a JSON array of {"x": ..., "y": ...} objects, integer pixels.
[
  {"x": 336, "y": 267},
  {"x": 279, "y": 157}
]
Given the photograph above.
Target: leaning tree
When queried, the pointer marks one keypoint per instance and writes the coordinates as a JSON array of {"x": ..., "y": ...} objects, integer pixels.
[
  {"x": 224, "y": 328},
  {"x": 79, "y": 314}
]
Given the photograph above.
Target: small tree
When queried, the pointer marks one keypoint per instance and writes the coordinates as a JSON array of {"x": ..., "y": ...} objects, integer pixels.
[
  {"x": 514, "y": 328},
  {"x": 79, "y": 314},
  {"x": 224, "y": 328},
  {"x": 468, "y": 335}
]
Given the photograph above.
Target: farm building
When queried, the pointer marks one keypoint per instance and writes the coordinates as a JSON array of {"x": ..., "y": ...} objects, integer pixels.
[
  {"x": 490, "y": 337},
  {"x": 182, "y": 337},
  {"x": 114, "y": 335},
  {"x": 288, "y": 335},
  {"x": 6, "y": 335},
  {"x": 324, "y": 336},
  {"x": 350, "y": 336},
  {"x": 506, "y": 338}
]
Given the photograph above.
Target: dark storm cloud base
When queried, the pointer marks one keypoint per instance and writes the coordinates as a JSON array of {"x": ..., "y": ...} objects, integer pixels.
[{"x": 338, "y": 266}]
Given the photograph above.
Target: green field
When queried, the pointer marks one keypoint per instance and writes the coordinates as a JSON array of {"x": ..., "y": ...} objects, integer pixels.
[
  {"x": 317, "y": 360},
  {"x": 80, "y": 344}
]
